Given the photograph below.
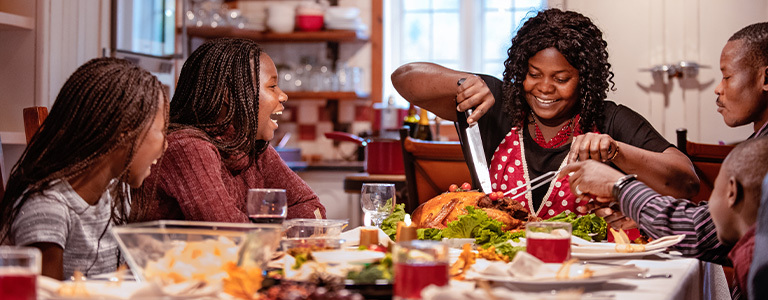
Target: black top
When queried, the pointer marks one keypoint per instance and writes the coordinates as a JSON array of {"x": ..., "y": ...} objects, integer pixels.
[{"x": 621, "y": 123}]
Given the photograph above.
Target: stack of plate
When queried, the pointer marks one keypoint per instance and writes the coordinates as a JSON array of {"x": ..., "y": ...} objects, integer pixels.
[
  {"x": 257, "y": 19},
  {"x": 344, "y": 18}
]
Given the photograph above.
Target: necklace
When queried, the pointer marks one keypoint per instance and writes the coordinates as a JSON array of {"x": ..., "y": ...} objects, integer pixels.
[{"x": 560, "y": 139}]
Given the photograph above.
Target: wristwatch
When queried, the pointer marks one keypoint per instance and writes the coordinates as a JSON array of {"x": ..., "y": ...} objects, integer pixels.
[{"x": 621, "y": 183}]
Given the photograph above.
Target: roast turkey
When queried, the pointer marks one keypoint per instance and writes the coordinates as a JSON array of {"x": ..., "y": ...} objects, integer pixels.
[{"x": 445, "y": 208}]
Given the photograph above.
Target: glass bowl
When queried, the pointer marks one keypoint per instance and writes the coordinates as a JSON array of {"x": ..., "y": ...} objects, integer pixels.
[
  {"x": 313, "y": 228},
  {"x": 176, "y": 251}
]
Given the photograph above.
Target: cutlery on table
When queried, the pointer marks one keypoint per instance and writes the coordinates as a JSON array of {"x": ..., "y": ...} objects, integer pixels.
[{"x": 649, "y": 276}]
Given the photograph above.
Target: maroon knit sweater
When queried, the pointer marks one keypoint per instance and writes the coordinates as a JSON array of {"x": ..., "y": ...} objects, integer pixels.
[{"x": 192, "y": 182}]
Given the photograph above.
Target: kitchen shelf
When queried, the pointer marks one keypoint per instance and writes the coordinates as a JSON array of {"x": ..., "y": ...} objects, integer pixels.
[
  {"x": 9, "y": 21},
  {"x": 13, "y": 138},
  {"x": 327, "y": 95},
  {"x": 293, "y": 37}
]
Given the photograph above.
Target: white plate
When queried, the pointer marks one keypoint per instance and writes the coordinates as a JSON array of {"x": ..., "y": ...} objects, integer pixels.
[
  {"x": 610, "y": 253},
  {"x": 548, "y": 283}
]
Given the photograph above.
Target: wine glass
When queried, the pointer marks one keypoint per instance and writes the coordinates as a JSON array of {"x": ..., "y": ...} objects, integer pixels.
[
  {"x": 267, "y": 205},
  {"x": 377, "y": 201}
]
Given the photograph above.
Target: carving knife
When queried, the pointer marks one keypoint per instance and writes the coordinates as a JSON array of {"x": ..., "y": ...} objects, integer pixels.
[{"x": 477, "y": 153}]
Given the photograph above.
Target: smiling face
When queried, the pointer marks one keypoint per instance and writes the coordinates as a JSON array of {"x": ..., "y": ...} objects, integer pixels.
[
  {"x": 551, "y": 86},
  {"x": 271, "y": 98},
  {"x": 741, "y": 94},
  {"x": 153, "y": 144}
]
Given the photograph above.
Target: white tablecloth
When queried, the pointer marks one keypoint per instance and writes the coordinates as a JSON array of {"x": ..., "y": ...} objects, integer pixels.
[{"x": 691, "y": 279}]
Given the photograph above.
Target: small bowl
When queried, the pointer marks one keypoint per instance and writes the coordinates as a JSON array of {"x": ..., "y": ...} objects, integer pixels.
[
  {"x": 309, "y": 22},
  {"x": 313, "y": 228}
]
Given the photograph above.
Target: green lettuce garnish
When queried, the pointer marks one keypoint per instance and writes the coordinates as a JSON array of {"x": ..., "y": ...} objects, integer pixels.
[
  {"x": 589, "y": 227},
  {"x": 468, "y": 225},
  {"x": 389, "y": 225},
  {"x": 430, "y": 234}
]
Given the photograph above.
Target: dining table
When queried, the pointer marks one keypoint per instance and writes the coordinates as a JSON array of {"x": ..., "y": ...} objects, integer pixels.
[{"x": 669, "y": 276}]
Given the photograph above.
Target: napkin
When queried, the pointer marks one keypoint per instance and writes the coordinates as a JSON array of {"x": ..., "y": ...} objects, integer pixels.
[
  {"x": 527, "y": 267},
  {"x": 352, "y": 237},
  {"x": 48, "y": 288},
  {"x": 660, "y": 243}
]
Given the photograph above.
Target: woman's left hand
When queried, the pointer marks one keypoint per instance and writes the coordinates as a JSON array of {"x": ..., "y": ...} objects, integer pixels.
[{"x": 594, "y": 146}]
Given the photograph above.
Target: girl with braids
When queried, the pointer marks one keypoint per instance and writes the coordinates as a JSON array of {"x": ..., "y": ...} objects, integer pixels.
[
  {"x": 104, "y": 132},
  {"x": 222, "y": 117},
  {"x": 549, "y": 110}
]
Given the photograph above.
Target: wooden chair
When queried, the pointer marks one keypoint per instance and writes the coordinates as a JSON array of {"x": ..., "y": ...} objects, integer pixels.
[
  {"x": 430, "y": 168},
  {"x": 2, "y": 167},
  {"x": 706, "y": 159},
  {"x": 33, "y": 119}
]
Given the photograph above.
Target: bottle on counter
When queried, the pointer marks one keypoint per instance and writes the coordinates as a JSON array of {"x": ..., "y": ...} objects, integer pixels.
[
  {"x": 411, "y": 120},
  {"x": 423, "y": 131}
]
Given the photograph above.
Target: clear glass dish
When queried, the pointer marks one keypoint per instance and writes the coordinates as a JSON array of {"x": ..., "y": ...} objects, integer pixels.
[
  {"x": 175, "y": 250},
  {"x": 313, "y": 228}
]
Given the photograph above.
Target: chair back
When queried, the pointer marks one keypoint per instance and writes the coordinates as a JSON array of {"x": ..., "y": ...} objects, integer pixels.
[
  {"x": 33, "y": 119},
  {"x": 706, "y": 159},
  {"x": 430, "y": 168},
  {"x": 2, "y": 169}
]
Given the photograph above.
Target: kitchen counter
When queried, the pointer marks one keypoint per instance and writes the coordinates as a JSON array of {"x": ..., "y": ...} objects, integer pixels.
[{"x": 346, "y": 166}]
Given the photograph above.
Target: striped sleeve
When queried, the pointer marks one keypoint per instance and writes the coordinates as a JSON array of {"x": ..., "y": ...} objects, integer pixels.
[{"x": 659, "y": 216}]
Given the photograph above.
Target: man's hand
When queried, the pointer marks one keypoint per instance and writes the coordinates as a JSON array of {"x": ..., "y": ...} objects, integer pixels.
[
  {"x": 593, "y": 181},
  {"x": 591, "y": 177},
  {"x": 473, "y": 92}
]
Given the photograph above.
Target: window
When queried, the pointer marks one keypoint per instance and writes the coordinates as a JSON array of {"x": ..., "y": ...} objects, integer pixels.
[
  {"x": 466, "y": 35},
  {"x": 146, "y": 27}
]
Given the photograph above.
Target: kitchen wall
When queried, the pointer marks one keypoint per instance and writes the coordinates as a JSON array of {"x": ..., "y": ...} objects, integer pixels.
[
  {"x": 36, "y": 61},
  {"x": 308, "y": 119}
]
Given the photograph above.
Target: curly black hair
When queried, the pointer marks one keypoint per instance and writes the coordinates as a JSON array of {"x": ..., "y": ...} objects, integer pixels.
[{"x": 582, "y": 44}]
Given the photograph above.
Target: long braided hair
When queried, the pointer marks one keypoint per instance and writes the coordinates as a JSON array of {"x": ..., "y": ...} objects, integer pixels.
[
  {"x": 104, "y": 106},
  {"x": 217, "y": 94},
  {"x": 580, "y": 42}
]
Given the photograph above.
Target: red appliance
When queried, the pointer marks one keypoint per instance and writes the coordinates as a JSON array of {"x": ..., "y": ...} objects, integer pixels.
[{"x": 382, "y": 156}]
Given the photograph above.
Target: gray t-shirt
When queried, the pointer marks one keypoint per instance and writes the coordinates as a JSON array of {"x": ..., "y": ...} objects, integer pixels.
[{"x": 60, "y": 216}]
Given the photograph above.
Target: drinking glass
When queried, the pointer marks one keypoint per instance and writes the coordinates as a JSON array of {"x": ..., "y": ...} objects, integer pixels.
[
  {"x": 377, "y": 201},
  {"x": 549, "y": 241},
  {"x": 19, "y": 267},
  {"x": 419, "y": 263},
  {"x": 267, "y": 205}
]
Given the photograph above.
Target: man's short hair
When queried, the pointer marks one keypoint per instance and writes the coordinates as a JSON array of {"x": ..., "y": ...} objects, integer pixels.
[
  {"x": 755, "y": 39},
  {"x": 748, "y": 163}
]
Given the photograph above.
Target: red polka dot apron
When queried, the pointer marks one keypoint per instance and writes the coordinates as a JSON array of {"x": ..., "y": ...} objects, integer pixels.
[{"x": 509, "y": 170}]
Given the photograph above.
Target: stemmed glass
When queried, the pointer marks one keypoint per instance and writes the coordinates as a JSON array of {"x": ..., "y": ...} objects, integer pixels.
[
  {"x": 267, "y": 205},
  {"x": 377, "y": 201}
]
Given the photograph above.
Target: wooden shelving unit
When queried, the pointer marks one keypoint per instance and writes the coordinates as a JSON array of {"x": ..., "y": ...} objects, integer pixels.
[
  {"x": 293, "y": 37},
  {"x": 9, "y": 21},
  {"x": 327, "y": 95}
]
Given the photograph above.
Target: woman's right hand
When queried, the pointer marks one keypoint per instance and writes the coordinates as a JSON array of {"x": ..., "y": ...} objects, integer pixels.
[{"x": 474, "y": 93}]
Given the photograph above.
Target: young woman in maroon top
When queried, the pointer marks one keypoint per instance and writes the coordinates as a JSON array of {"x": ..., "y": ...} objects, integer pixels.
[
  {"x": 550, "y": 109},
  {"x": 222, "y": 118}
]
